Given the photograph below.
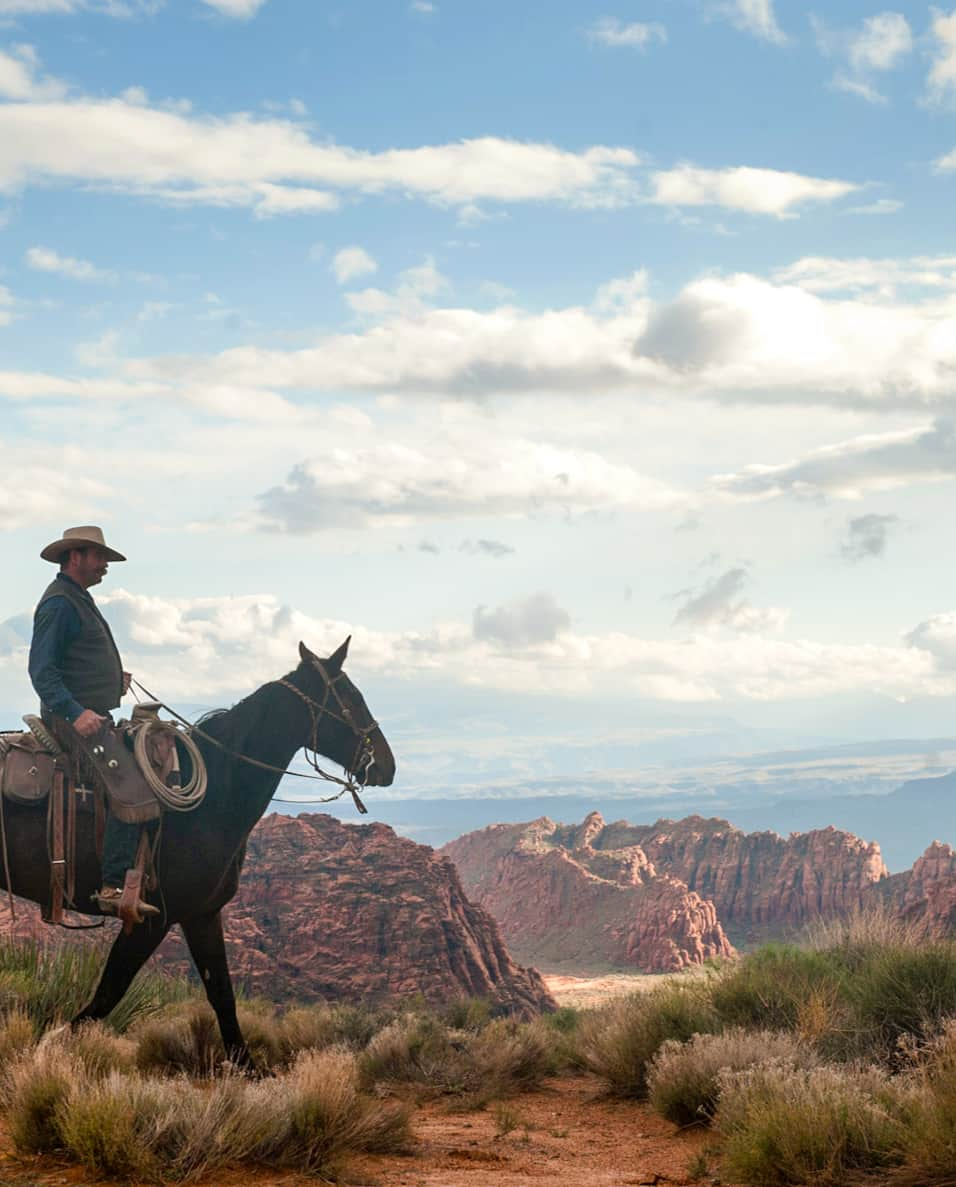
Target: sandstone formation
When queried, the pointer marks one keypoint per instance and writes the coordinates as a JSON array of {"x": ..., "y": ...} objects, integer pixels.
[
  {"x": 656, "y": 897},
  {"x": 353, "y": 913},
  {"x": 555, "y": 895},
  {"x": 756, "y": 880},
  {"x": 925, "y": 896}
]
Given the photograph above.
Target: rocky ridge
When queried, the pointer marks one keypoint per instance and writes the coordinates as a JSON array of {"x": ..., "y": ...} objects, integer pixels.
[{"x": 656, "y": 897}]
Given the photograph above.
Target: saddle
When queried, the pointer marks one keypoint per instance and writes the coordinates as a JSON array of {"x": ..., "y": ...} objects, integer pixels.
[{"x": 85, "y": 776}]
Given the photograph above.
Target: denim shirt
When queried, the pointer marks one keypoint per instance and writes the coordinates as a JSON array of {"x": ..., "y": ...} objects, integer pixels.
[{"x": 55, "y": 626}]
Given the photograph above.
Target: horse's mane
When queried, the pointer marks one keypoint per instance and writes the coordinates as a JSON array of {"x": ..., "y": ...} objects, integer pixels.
[{"x": 232, "y": 726}]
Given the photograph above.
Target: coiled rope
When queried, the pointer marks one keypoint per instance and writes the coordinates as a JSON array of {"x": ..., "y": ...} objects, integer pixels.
[{"x": 177, "y": 799}]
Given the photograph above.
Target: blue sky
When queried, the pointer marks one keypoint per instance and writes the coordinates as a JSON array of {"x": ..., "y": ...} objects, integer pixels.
[{"x": 568, "y": 355}]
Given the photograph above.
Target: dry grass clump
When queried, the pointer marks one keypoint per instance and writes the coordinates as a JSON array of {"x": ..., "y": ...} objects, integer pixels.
[
  {"x": 618, "y": 1041},
  {"x": 316, "y": 1027},
  {"x": 179, "y": 1040},
  {"x": 126, "y": 1125},
  {"x": 99, "y": 1050},
  {"x": 928, "y": 1139},
  {"x": 783, "y": 1125},
  {"x": 683, "y": 1081},
  {"x": 34, "y": 1089},
  {"x": 16, "y": 1035},
  {"x": 417, "y": 1054}
]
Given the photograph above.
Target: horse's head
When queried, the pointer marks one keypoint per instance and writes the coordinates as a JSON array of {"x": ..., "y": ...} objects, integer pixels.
[{"x": 351, "y": 736}]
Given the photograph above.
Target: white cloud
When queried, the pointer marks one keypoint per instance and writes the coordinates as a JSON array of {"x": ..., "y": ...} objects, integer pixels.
[
  {"x": 754, "y": 16},
  {"x": 239, "y": 9},
  {"x": 19, "y": 80},
  {"x": 201, "y": 648},
  {"x": 422, "y": 6},
  {"x": 34, "y": 492},
  {"x": 881, "y": 277},
  {"x": 523, "y": 622},
  {"x": 880, "y": 44},
  {"x": 850, "y": 469},
  {"x": 755, "y": 191},
  {"x": 719, "y": 603},
  {"x": 942, "y": 75},
  {"x": 352, "y": 262},
  {"x": 414, "y": 287},
  {"x": 45, "y": 259},
  {"x": 456, "y": 474},
  {"x": 638, "y": 35},
  {"x": 274, "y": 166},
  {"x": 6, "y": 306}
]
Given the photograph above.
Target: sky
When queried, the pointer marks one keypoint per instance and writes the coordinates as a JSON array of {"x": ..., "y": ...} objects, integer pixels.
[{"x": 593, "y": 365}]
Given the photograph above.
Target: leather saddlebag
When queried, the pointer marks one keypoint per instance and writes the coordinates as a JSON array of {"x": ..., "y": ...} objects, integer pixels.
[{"x": 26, "y": 775}]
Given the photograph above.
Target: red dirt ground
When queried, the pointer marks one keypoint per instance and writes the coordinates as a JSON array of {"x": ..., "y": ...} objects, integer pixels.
[{"x": 564, "y": 1134}]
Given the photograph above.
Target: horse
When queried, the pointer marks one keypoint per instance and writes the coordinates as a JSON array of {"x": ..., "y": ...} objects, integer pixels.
[{"x": 201, "y": 852}]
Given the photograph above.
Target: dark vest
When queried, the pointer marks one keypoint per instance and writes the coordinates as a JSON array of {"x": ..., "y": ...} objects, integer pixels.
[{"x": 92, "y": 669}]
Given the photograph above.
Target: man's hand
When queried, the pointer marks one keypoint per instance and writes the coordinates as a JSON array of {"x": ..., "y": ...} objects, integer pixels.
[
  {"x": 89, "y": 723},
  {"x": 127, "y": 677}
]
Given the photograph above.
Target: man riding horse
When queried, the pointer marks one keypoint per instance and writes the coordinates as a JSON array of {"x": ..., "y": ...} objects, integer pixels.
[{"x": 78, "y": 675}]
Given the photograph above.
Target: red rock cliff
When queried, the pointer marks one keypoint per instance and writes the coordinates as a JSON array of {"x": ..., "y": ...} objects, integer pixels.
[
  {"x": 577, "y": 906},
  {"x": 656, "y": 896}
]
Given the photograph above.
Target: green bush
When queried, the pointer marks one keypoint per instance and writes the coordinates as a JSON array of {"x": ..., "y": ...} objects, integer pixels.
[
  {"x": 773, "y": 988},
  {"x": 899, "y": 994},
  {"x": 784, "y": 1126},
  {"x": 617, "y": 1042},
  {"x": 683, "y": 1079}
]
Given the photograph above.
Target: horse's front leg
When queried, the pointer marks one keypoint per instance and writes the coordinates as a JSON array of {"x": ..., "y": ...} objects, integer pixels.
[
  {"x": 127, "y": 956},
  {"x": 208, "y": 949}
]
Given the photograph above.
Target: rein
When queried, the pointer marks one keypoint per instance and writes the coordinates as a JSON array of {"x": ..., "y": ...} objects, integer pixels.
[{"x": 362, "y": 760}]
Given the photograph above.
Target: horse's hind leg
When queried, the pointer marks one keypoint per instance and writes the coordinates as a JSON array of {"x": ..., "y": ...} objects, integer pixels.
[
  {"x": 208, "y": 949},
  {"x": 127, "y": 956}
]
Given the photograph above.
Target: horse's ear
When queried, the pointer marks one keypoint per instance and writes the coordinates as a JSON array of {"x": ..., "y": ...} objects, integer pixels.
[
  {"x": 337, "y": 658},
  {"x": 305, "y": 654}
]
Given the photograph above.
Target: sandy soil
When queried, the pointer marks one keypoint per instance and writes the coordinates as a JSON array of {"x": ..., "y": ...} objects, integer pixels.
[
  {"x": 580, "y": 991},
  {"x": 563, "y": 1134}
]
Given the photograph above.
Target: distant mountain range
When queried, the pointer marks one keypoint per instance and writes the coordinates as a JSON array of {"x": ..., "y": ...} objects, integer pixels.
[{"x": 878, "y": 791}]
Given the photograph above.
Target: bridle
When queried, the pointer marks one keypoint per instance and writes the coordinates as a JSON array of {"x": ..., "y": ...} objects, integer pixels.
[
  {"x": 356, "y": 772},
  {"x": 363, "y": 759}
]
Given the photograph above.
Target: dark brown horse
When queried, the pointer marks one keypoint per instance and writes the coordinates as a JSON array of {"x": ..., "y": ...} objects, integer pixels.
[{"x": 201, "y": 852}]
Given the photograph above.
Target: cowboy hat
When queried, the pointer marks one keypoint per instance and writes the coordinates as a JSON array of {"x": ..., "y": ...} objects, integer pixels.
[{"x": 85, "y": 537}]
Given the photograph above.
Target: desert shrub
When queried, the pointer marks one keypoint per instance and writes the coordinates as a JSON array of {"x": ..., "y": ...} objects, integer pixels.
[
  {"x": 772, "y": 988},
  {"x": 312, "y": 1117},
  {"x": 16, "y": 1035},
  {"x": 900, "y": 993},
  {"x": 317, "y": 1027},
  {"x": 467, "y": 1013},
  {"x": 107, "y": 1124},
  {"x": 618, "y": 1041},
  {"x": 34, "y": 1088},
  {"x": 928, "y": 1108},
  {"x": 99, "y": 1051},
  {"x": 181, "y": 1039},
  {"x": 683, "y": 1079},
  {"x": 418, "y": 1054},
  {"x": 508, "y": 1057},
  {"x": 783, "y": 1126}
]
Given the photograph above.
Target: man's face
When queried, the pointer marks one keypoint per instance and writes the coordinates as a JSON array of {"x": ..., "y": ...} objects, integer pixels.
[{"x": 88, "y": 567}]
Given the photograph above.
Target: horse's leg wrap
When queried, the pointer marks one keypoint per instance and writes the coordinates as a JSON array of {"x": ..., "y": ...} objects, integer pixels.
[{"x": 208, "y": 949}]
